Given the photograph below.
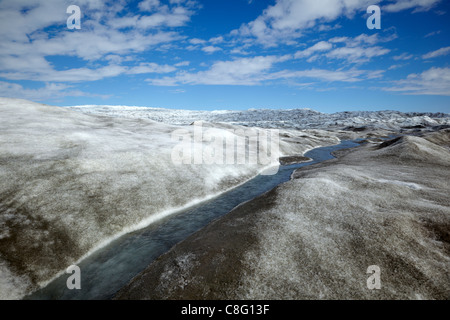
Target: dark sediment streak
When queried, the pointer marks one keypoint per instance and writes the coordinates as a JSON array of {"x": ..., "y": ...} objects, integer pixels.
[{"x": 293, "y": 159}]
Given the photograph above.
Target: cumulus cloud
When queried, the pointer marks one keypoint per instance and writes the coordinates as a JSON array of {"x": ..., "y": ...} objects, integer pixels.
[
  {"x": 106, "y": 37},
  {"x": 353, "y": 50},
  {"x": 257, "y": 71},
  {"x": 211, "y": 49},
  {"x": 196, "y": 41},
  {"x": 434, "y": 81},
  {"x": 111, "y": 37},
  {"x": 216, "y": 40},
  {"x": 149, "y": 5},
  {"x": 207, "y": 46},
  {"x": 288, "y": 18},
  {"x": 361, "y": 48},
  {"x": 244, "y": 71}
]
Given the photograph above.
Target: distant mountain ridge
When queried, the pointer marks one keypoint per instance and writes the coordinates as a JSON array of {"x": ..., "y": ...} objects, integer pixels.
[{"x": 272, "y": 118}]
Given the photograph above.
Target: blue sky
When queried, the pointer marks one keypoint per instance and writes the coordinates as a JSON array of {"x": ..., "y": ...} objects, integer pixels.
[{"x": 228, "y": 54}]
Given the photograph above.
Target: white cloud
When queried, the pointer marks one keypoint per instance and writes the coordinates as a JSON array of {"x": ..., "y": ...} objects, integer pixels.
[
  {"x": 204, "y": 45},
  {"x": 440, "y": 52},
  {"x": 319, "y": 46},
  {"x": 352, "y": 75},
  {"x": 357, "y": 54},
  {"x": 25, "y": 46},
  {"x": 93, "y": 45},
  {"x": 353, "y": 50},
  {"x": 149, "y": 5},
  {"x": 417, "y": 5},
  {"x": 191, "y": 48},
  {"x": 403, "y": 56},
  {"x": 359, "y": 49},
  {"x": 163, "y": 15},
  {"x": 374, "y": 39},
  {"x": 432, "y": 33},
  {"x": 149, "y": 67},
  {"x": 163, "y": 82},
  {"x": 216, "y": 40},
  {"x": 85, "y": 74},
  {"x": 395, "y": 66},
  {"x": 162, "y": 19},
  {"x": 288, "y": 18},
  {"x": 177, "y": 91},
  {"x": 244, "y": 71},
  {"x": 116, "y": 59},
  {"x": 182, "y": 64},
  {"x": 50, "y": 91},
  {"x": 240, "y": 51},
  {"x": 196, "y": 41},
  {"x": 70, "y": 75},
  {"x": 256, "y": 71},
  {"x": 363, "y": 39},
  {"x": 325, "y": 27},
  {"x": 434, "y": 81},
  {"x": 338, "y": 39},
  {"x": 211, "y": 49}
]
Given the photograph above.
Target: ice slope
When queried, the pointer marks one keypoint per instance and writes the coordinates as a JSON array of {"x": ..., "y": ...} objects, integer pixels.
[
  {"x": 315, "y": 236},
  {"x": 71, "y": 182},
  {"x": 387, "y": 207}
]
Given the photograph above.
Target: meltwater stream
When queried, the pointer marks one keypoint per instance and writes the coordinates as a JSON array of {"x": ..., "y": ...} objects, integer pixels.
[{"x": 104, "y": 272}]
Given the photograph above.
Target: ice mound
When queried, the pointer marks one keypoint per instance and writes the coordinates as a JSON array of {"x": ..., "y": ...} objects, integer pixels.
[
  {"x": 315, "y": 236},
  {"x": 442, "y": 138},
  {"x": 71, "y": 182},
  {"x": 412, "y": 148},
  {"x": 329, "y": 224}
]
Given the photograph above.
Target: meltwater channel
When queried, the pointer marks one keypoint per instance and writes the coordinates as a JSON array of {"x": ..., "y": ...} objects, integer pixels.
[{"x": 105, "y": 271}]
